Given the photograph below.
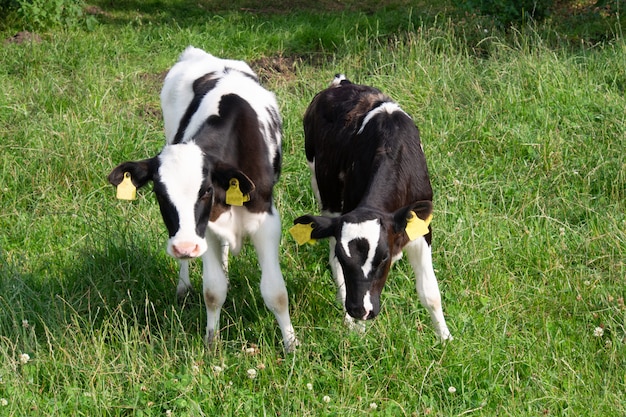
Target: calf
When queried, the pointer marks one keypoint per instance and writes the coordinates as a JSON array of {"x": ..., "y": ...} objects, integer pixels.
[
  {"x": 370, "y": 177},
  {"x": 214, "y": 178}
]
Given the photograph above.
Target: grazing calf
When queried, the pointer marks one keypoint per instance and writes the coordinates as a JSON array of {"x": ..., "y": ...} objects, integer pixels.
[
  {"x": 370, "y": 177},
  {"x": 214, "y": 178}
]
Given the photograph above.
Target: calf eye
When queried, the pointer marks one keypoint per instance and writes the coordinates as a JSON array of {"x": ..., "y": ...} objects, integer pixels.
[{"x": 207, "y": 194}]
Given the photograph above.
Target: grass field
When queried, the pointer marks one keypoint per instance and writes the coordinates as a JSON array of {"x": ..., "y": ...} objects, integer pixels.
[{"x": 525, "y": 134}]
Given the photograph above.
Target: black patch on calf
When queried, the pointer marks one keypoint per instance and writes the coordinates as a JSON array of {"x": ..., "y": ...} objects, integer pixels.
[
  {"x": 358, "y": 249},
  {"x": 201, "y": 87},
  {"x": 168, "y": 210},
  {"x": 247, "y": 74},
  {"x": 276, "y": 164}
]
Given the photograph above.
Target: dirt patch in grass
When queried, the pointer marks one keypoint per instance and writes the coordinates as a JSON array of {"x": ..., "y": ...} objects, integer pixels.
[
  {"x": 23, "y": 37},
  {"x": 276, "y": 66}
]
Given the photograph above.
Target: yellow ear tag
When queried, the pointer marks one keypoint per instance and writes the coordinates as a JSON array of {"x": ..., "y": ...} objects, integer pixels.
[
  {"x": 416, "y": 227},
  {"x": 126, "y": 190},
  {"x": 234, "y": 196},
  {"x": 301, "y": 233}
]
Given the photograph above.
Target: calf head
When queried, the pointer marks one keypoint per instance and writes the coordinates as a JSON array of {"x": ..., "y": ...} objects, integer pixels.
[
  {"x": 186, "y": 183},
  {"x": 367, "y": 240}
]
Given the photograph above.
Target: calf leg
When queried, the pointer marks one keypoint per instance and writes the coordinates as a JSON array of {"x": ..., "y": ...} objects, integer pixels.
[
  {"x": 214, "y": 285},
  {"x": 419, "y": 254},
  {"x": 314, "y": 185},
  {"x": 266, "y": 240},
  {"x": 184, "y": 288},
  {"x": 225, "y": 251}
]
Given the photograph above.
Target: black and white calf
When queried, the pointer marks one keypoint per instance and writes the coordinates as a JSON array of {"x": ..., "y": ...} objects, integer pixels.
[
  {"x": 369, "y": 174},
  {"x": 223, "y": 133}
]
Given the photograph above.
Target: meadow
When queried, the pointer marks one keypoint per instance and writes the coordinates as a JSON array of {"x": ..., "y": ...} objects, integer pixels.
[{"x": 525, "y": 135}]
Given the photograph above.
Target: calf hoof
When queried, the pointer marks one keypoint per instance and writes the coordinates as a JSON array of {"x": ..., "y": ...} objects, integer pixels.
[
  {"x": 211, "y": 338},
  {"x": 292, "y": 345},
  {"x": 446, "y": 336}
]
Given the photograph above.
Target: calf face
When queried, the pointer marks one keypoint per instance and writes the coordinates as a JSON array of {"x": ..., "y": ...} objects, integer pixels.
[
  {"x": 186, "y": 184},
  {"x": 366, "y": 241}
]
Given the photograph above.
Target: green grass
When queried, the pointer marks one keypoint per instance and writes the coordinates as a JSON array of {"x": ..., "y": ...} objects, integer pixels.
[{"x": 525, "y": 137}]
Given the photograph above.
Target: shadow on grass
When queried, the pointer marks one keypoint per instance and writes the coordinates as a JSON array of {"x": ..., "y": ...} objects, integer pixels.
[{"x": 128, "y": 286}]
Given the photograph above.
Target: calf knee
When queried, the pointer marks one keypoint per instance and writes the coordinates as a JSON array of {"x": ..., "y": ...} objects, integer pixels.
[
  {"x": 213, "y": 300},
  {"x": 276, "y": 299}
]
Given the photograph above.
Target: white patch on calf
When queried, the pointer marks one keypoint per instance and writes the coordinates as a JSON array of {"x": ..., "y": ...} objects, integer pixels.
[
  {"x": 368, "y": 230},
  {"x": 367, "y": 304},
  {"x": 336, "y": 82},
  {"x": 180, "y": 171},
  {"x": 388, "y": 107},
  {"x": 235, "y": 224}
]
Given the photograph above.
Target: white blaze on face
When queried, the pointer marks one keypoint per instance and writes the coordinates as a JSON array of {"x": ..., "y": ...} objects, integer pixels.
[
  {"x": 368, "y": 230},
  {"x": 367, "y": 304},
  {"x": 180, "y": 172}
]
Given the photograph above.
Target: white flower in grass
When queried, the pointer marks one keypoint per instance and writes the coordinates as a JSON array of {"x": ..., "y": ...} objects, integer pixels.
[
  {"x": 251, "y": 373},
  {"x": 3, "y": 402},
  {"x": 373, "y": 406},
  {"x": 598, "y": 332},
  {"x": 217, "y": 369},
  {"x": 326, "y": 399},
  {"x": 309, "y": 386},
  {"x": 168, "y": 413},
  {"x": 451, "y": 390},
  {"x": 25, "y": 324},
  {"x": 24, "y": 358}
]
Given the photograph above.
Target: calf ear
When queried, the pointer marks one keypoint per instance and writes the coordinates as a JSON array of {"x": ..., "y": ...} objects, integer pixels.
[
  {"x": 422, "y": 209},
  {"x": 223, "y": 173},
  {"x": 322, "y": 226},
  {"x": 140, "y": 172}
]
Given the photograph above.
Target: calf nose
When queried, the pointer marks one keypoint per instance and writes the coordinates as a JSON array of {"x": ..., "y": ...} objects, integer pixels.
[
  {"x": 186, "y": 250},
  {"x": 365, "y": 310},
  {"x": 357, "y": 311}
]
